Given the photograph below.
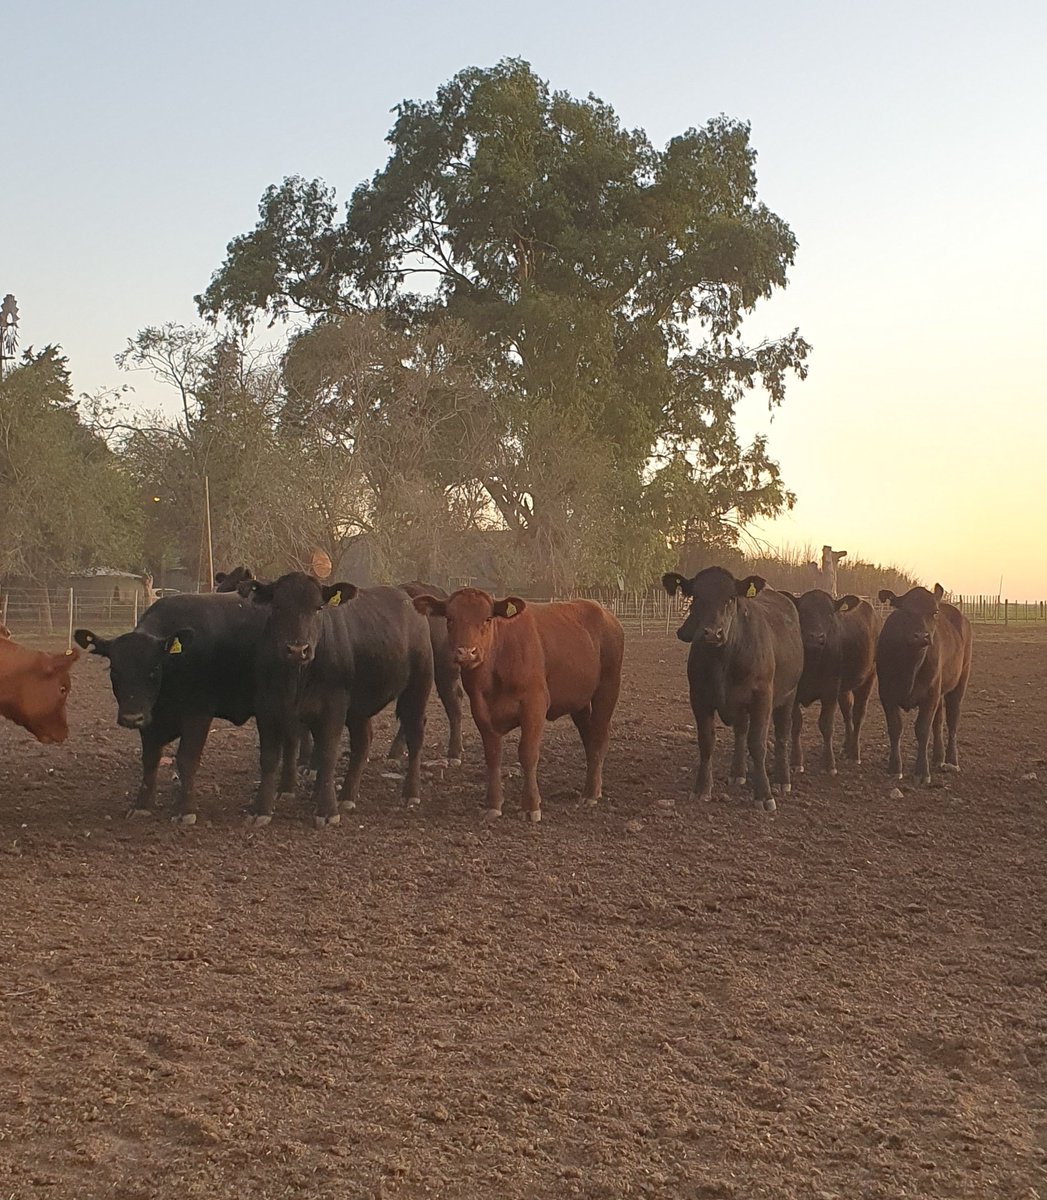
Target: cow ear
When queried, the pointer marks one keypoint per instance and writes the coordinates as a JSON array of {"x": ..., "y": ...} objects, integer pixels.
[
  {"x": 886, "y": 596},
  {"x": 673, "y": 582},
  {"x": 511, "y": 606},
  {"x": 750, "y": 586},
  {"x": 430, "y": 606},
  {"x": 846, "y": 603},
  {"x": 939, "y": 591},
  {"x": 67, "y": 659},
  {"x": 220, "y": 577},
  {"x": 254, "y": 589},
  {"x": 338, "y": 593},
  {"x": 177, "y": 642},
  {"x": 89, "y": 641}
]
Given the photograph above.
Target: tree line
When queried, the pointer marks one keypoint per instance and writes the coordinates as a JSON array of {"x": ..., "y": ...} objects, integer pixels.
[{"x": 530, "y": 320}]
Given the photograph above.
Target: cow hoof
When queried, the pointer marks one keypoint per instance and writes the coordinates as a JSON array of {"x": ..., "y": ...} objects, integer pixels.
[
  {"x": 258, "y": 820},
  {"x": 798, "y": 770},
  {"x": 834, "y": 771},
  {"x": 454, "y": 762},
  {"x": 533, "y": 815},
  {"x": 739, "y": 781},
  {"x": 324, "y": 822},
  {"x": 951, "y": 767},
  {"x": 924, "y": 779},
  {"x": 414, "y": 801},
  {"x": 492, "y": 815},
  {"x": 769, "y": 805},
  {"x": 184, "y": 819},
  {"x": 700, "y": 798},
  {"x": 136, "y": 814},
  {"x": 590, "y": 801}
]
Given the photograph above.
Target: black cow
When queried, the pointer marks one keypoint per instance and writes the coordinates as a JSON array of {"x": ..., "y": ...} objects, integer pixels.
[
  {"x": 923, "y": 661},
  {"x": 229, "y": 581},
  {"x": 447, "y": 676},
  {"x": 839, "y": 667},
  {"x": 188, "y": 660},
  {"x": 333, "y": 656},
  {"x": 745, "y": 663}
]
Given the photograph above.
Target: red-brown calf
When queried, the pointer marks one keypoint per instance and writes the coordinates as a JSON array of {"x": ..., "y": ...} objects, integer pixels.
[
  {"x": 523, "y": 664},
  {"x": 33, "y": 689}
]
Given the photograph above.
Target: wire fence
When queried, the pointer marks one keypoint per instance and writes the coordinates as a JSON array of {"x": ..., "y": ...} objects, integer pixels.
[{"x": 54, "y": 612}]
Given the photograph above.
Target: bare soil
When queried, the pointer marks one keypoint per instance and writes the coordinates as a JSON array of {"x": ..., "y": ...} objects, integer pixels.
[{"x": 845, "y": 999}]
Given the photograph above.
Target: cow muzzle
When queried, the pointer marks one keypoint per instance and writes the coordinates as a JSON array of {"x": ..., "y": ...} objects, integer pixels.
[
  {"x": 714, "y": 637},
  {"x": 468, "y": 657},
  {"x": 131, "y": 720},
  {"x": 299, "y": 652},
  {"x": 815, "y": 641}
]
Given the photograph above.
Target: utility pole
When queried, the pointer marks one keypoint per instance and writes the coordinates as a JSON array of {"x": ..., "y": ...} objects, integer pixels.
[{"x": 8, "y": 334}]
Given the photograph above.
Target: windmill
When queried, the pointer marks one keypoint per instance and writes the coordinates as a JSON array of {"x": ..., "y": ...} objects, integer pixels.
[{"x": 8, "y": 334}]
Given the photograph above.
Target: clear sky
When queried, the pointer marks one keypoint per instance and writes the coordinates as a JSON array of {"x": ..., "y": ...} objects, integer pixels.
[{"x": 904, "y": 142}]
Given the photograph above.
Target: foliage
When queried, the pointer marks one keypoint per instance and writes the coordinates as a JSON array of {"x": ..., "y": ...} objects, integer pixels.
[
  {"x": 67, "y": 504},
  {"x": 607, "y": 282}
]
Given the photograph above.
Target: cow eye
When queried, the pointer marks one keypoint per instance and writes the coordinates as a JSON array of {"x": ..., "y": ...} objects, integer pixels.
[{"x": 63, "y": 689}]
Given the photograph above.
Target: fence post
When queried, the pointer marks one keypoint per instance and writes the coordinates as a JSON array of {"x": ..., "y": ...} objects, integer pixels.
[
  {"x": 69, "y": 637},
  {"x": 643, "y": 603},
  {"x": 1006, "y": 607},
  {"x": 135, "y": 621},
  {"x": 3, "y": 610}
]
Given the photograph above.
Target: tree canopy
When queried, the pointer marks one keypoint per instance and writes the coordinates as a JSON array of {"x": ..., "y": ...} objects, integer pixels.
[
  {"x": 606, "y": 282},
  {"x": 67, "y": 502}
]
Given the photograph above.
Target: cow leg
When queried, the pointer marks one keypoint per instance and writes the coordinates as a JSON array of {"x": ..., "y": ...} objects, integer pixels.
[
  {"x": 360, "y": 731},
  {"x": 783, "y": 719},
  {"x": 846, "y": 705},
  {"x": 594, "y": 725},
  {"x": 924, "y": 719},
  {"x": 853, "y": 748},
  {"x": 703, "y": 780},
  {"x": 328, "y": 733},
  {"x": 290, "y": 750},
  {"x": 270, "y": 747},
  {"x": 531, "y": 727},
  {"x": 826, "y": 719},
  {"x": 451, "y": 695},
  {"x": 893, "y": 716},
  {"x": 410, "y": 709},
  {"x": 493, "y": 757},
  {"x": 190, "y": 750},
  {"x": 759, "y": 728},
  {"x": 939, "y": 741},
  {"x": 152, "y": 749},
  {"x": 738, "y": 763},
  {"x": 953, "y": 704},
  {"x": 797, "y": 731}
]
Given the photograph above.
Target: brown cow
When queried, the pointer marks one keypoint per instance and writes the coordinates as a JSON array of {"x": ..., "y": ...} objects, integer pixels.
[
  {"x": 34, "y": 686},
  {"x": 839, "y": 667},
  {"x": 923, "y": 661},
  {"x": 525, "y": 664}
]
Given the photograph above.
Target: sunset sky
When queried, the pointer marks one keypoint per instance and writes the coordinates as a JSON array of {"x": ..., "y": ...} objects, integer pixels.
[{"x": 903, "y": 143}]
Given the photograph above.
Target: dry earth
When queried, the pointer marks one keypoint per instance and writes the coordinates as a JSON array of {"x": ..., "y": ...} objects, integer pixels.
[{"x": 845, "y": 999}]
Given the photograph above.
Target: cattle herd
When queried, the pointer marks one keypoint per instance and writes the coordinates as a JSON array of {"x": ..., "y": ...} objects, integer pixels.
[{"x": 307, "y": 660}]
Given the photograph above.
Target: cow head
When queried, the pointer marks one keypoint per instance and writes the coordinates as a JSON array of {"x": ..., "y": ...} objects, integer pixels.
[
  {"x": 471, "y": 615},
  {"x": 230, "y": 581},
  {"x": 715, "y": 595},
  {"x": 37, "y": 690},
  {"x": 819, "y": 624},
  {"x": 913, "y": 622},
  {"x": 296, "y": 603},
  {"x": 137, "y": 661}
]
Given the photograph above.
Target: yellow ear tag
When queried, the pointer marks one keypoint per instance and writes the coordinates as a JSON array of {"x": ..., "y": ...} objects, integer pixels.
[
  {"x": 510, "y": 609},
  {"x": 176, "y": 647},
  {"x": 751, "y": 590},
  {"x": 844, "y": 607},
  {"x": 335, "y": 600},
  {"x": 68, "y": 652}
]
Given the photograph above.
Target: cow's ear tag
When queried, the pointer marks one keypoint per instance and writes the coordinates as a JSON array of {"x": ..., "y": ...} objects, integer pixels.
[
  {"x": 68, "y": 653},
  {"x": 510, "y": 609},
  {"x": 335, "y": 600},
  {"x": 750, "y": 591},
  {"x": 844, "y": 607},
  {"x": 175, "y": 647}
]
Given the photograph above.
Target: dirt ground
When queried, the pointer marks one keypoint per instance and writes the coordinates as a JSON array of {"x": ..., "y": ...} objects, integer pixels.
[{"x": 845, "y": 999}]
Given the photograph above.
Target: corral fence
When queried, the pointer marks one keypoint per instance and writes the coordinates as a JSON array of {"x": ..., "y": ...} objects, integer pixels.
[{"x": 54, "y": 612}]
